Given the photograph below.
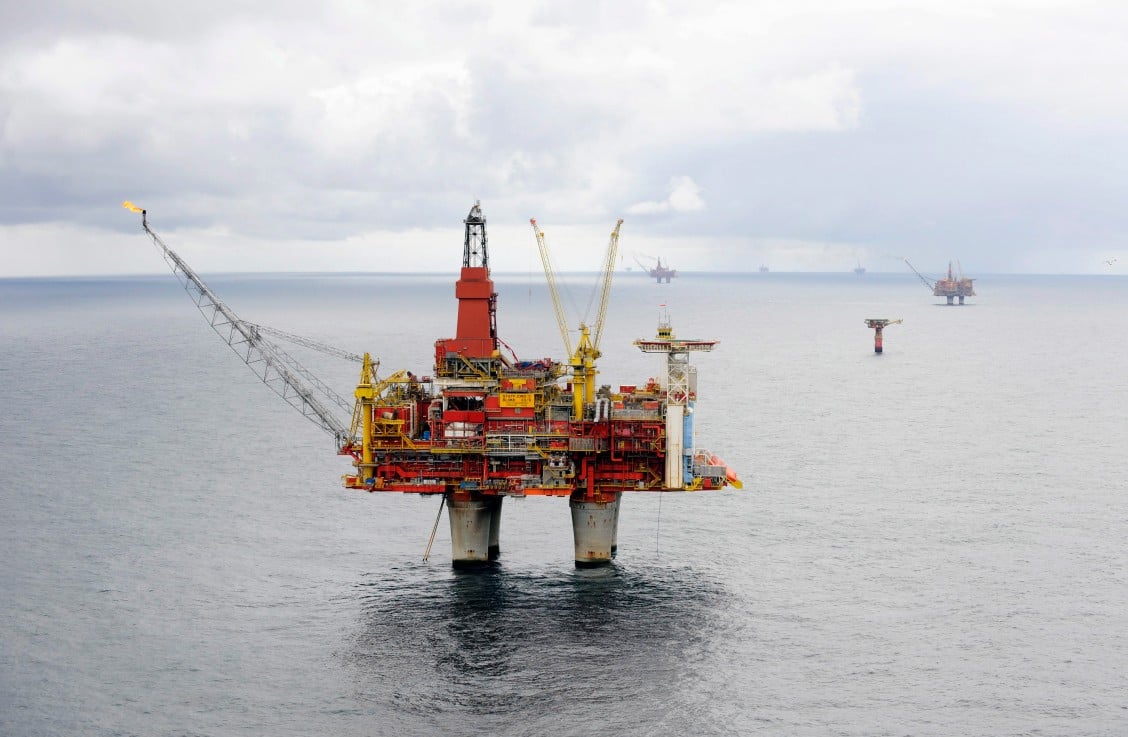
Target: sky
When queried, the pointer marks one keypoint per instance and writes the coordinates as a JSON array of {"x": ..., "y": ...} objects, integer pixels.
[{"x": 351, "y": 135}]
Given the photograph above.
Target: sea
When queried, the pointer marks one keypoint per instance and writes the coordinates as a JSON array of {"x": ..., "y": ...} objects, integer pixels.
[{"x": 930, "y": 541}]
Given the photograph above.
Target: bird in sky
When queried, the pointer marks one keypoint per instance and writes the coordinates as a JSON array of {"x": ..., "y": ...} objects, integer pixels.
[{"x": 1111, "y": 261}]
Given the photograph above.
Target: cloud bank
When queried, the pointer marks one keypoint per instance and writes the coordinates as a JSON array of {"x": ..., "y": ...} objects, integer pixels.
[{"x": 987, "y": 131}]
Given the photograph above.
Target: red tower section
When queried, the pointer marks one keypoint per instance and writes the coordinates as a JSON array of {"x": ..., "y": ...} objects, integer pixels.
[{"x": 476, "y": 334}]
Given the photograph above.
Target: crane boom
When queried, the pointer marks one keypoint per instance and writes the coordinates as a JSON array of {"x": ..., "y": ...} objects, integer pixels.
[
  {"x": 582, "y": 359},
  {"x": 550, "y": 277},
  {"x": 260, "y": 355},
  {"x": 605, "y": 292}
]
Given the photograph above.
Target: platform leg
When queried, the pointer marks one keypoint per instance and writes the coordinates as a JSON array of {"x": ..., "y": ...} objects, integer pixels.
[
  {"x": 949, "y": 300},
  {"x": 615, "y": 529},
  {"x": 471, "y": 522},
  {"x": 595, "y": 529},
  {"x": 494, "y": 551},
  {"x": 961, "y": 299}
]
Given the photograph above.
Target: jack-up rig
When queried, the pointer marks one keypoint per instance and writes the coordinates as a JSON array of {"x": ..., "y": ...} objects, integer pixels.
[
  {"x": 951, "y": 286},
  {"x": 485, "y": 427}
]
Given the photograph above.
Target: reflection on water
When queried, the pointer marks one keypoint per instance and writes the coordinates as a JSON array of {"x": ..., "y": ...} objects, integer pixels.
[{"x": 516, "y": 644}]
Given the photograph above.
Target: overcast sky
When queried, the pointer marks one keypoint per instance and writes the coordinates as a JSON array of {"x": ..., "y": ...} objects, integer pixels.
[{"x": 354, "y": 136}]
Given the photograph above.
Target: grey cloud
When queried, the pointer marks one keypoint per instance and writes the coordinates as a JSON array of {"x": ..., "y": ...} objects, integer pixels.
[
  {"x": 924, "y": 165},
  {"x": 50, "y": 19},
  {"x": 926, "y": 171}
]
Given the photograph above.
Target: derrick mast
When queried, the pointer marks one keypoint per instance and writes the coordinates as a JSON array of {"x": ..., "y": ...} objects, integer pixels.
[{"x": 475, "y": 345}]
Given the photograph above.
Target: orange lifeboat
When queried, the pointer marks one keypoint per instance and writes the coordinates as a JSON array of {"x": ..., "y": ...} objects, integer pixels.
[{"x": 730, "y": 474}]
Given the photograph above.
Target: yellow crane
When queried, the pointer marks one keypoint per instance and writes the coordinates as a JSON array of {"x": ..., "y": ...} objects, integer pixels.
[{"x": 582, "y": 358}]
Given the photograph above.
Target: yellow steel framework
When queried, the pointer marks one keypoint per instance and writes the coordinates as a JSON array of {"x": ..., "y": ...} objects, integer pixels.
[{"x": 582, "y": 358}]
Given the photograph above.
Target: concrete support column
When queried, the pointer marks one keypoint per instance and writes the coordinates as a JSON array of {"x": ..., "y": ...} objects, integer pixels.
[
  {"x": 615, "y": 527},
  {"x": 494, "y": 550},
  {"x": 595, "y": 529},
  {"x": 474, "y": 528}
]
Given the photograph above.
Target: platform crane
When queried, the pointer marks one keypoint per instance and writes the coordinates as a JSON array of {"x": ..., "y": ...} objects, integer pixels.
[{"x": 582, "y": 358}]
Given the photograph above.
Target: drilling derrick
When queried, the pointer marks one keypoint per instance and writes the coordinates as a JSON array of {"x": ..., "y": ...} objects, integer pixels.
[{"x": 474, "y": 346}]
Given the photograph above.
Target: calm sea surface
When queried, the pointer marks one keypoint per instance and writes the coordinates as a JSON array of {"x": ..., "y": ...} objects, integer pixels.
[{"x": 929, "y": 542}]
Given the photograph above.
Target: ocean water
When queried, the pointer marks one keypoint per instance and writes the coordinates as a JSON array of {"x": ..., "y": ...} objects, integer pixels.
[{"x": 929, "y": 542}]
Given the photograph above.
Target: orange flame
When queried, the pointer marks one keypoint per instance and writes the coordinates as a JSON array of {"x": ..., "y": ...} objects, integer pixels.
[{"x": 130, "y": 206}]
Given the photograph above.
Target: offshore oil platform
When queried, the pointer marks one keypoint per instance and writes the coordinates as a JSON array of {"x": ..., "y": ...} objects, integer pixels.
[
  {"x": 952, "y": 286},
  {"x": 485, "y": 426},
  {"x": 659, "y": 272}
]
